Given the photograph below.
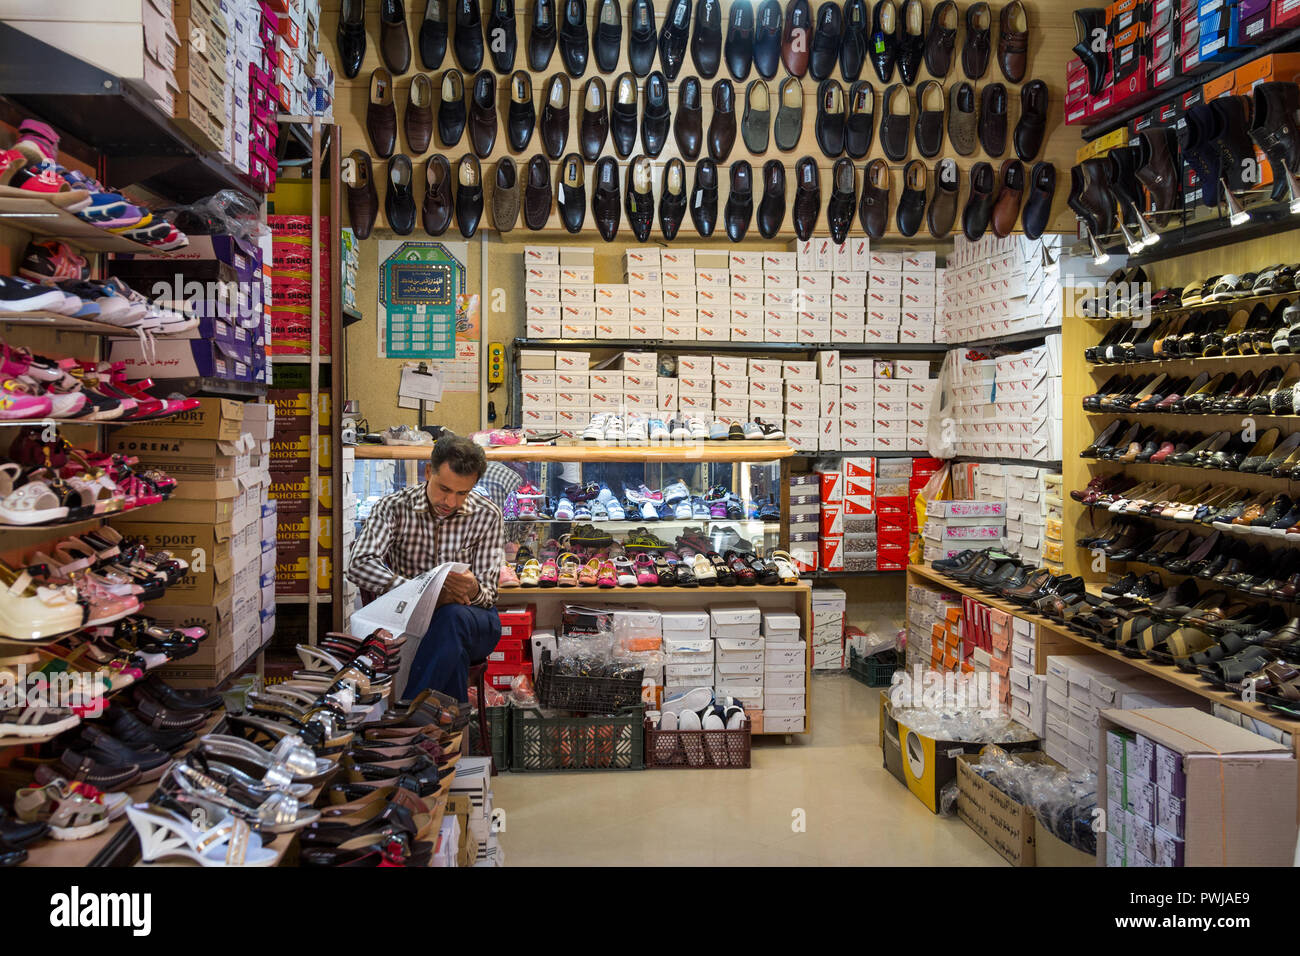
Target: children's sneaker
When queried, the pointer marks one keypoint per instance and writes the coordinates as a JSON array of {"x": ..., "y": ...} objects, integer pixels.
[
  {"x": 678, "y": 431},
  {"x": 615, "y": 509},
  {"x": 564, "y": 510},
  {"x": 581, "y": 512},
  {"x": 718, "y": 431},
  {"x": 658, "y": 430},
  {"x": 508, "y": 577},
  {"x": 648, "y": 511},
  {"x": 598, "y": 511},
  {"x": 697, "y": 429},
  {"x": 676, "y": 491},
  {"x": 770, "y": 432},
  {"x": 637, "y": 430},
  {"x": 527, "y": 509},
  {"x": 646, "y": 575},
  {"x": 752, "y": 432},
  {"x": 625, "y": 572},
  {"x": 594, "y": 431},
  {"x": 692, "y": 702},
  {"x": 648, "y": 495},
  {"x": 683, "y": 510},
  {"x": 528, "y": 490},
  {"x": 699, "y": 509}
]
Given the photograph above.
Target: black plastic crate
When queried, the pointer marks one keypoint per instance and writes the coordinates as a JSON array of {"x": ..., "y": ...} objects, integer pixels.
[
  {"x": 590, "y": 695},
  {"x": 875, "y": 671},
  {"x": 498, "y": 747},
  {"x": 609, "y": 742}
]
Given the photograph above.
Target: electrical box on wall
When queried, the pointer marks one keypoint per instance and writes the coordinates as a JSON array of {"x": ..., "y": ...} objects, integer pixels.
[{"x": 496, "y": 363}]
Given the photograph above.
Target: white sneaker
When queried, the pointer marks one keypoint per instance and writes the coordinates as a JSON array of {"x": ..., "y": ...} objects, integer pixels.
[
  {"x": 658, "y": 430},
  {"x": 698, "y": 430},
  {"x": 692, "y": 700},
  {"x": 668, "y": 721},
  {"x": 595, "y": 431},
  {"x": 717, "y": 747},
  {"x": 677, "y": 430},
  {"x": 637, "y": 430},
  {"x": 753, "y": 432},
  {"x": 694, "y": 747}
]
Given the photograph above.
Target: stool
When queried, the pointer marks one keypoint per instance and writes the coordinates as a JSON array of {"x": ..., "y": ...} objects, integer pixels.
[{"x": 478, "y": 677}]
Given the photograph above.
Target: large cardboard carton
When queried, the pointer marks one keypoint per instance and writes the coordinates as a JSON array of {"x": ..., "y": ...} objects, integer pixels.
[
  {"x": 216, "y": 418},
  {"x": 1051, "y": 850},
  {"x": 1003, "y": 822},
  {"x": 205, "y": 547},
  {"x": 1240, "y": 805}
]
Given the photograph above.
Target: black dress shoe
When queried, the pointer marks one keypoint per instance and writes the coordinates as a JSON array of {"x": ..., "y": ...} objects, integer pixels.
[
  {"x": 483, "y": 114},
  {"x": 911, "y": 204},
  {"x": 704, "y": 198},
  {"x": 655, "y": 119},
  {"x": 501, "y": 35},
  {"x": 593, "y": 129},
  {"x": 571, "y": 193},
  {"x": 521, "y": 117},
  {"x": 767, "y": 38},
  {"x": 844, "y": 199},
  {"x": 542, "y": 35},
  {"x": 860, "y": 125},
  {"x": 807, "y": 197},
  {"x": 352, "y": 37},
  {"x": 468, "y": 41},
  {"x": 451, "y": 108},
  {"x": 882, "y": 47},
  {"x": 722, "y": 125},
  {"x": 830, "y": 118},
  {"x": 604, "y": 198},
  {"x": 771, "y": 208},
  {"x": 873, "y": 207},
  {"x": 641, "y": 37},
  {"x": 688, "y": 124},
  {"x": 638, "y": 198},
  {"x": 706, "y": 41},
  {"x": 826, "y": 41},
  {"x": 853, "y": 46},
  {"x": 740, "y": 201},
  {"x": 895, "y": 127},
  {"x": 911, "y": 40},
  {"x": 608, "y": 41},
  {"x": 554, "y": 124},
  {"x": 399, "y": 199},
  {"x": 1038, "y": 207},
  {"x": 537, "y": 194},
  {"x": 738, "y": 50},
  {"x": 573, "y": 37},
  {"x": 672, "y": 201},
  {"x": 433, "y": 34},
  {"x": 469, "y": 195},
  {"x": 979, "y": 204},
  {"x": 673, "y": 37},
  {"x": 622, "y": 115}
]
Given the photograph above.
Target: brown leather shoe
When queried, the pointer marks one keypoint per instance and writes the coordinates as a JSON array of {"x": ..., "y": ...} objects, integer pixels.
[
  {"x": 1006, "y": 209},
  {"x": 873, "y": 206},
  {"x": 942, "y": 40},
  {"x": 554, "y": 124},
  {"x": 363, "y": 198},
  {"x": 483, "y": 114},
  {"x": 943, "y": 207},
  {"x": 593, "y": 128},
  {"x": 394, "y": 42},
  {"x": 418, "y": 121},
  {"x": 505, "y": 196},
  {"x": 1157, "y": 170},
  {"x": 469, "y": 195},
  {"x": 929, "y": 118},
  {"x": 1013, "y": 41},
  {"x": 435, "y": 213},
  {"x": 537, "y": 194},
  {"x": 975, "y": 51},
  {"x": 381, "y": 115},
  {"x": 961, "y": 119},
  {"x": 797, "y": 36},
  {"x": 993, "y": 119},
  {"x": 722, "y": 127}
]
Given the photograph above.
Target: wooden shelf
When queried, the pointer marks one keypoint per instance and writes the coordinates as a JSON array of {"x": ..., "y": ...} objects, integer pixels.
[
  {"x": 614, "y": 527},
  {"x": 61, "y": 323},
  {"x": 651, "y": 345},
  {"x": 42, "y": 217},
  {"x": 642, "y": 593},
  {"x": 1157, "y": 314},
  {"x": 1185, "y": 416},
  {"x": 660, "y": 452},
  {"x": 1165, "y": 672},
  {"x": 1095, "y": 368},
  {"x": 1237, "y": 531},
  {"x": 1011, "y": 338}
]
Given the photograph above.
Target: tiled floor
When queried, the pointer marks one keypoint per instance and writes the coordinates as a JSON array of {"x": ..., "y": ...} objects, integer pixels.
[{"x": 855, "y": 812}]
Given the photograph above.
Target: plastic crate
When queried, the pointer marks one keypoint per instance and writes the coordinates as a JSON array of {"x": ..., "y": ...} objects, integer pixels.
[
  {"x": 591, "y": 695},
  {"x": 541, "y": 742},
  {"x": 875, "y": 671},
  {"x": 692, "y": 749},
  {"x": 499, "y": 731}
]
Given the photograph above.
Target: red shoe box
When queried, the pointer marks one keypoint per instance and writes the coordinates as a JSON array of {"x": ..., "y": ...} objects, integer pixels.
[
  {"x": 517, "y": 622},
  {"x": 892, "y": 507},
  {"x": 832, "y": 552},
  {"x": 832, "y": 486},
  {"x": 499, "y": 675},
  {"x": 1286, "y": 13},
  {"x": 509, "y": 652},
  {"x": 832, "y": 520}
]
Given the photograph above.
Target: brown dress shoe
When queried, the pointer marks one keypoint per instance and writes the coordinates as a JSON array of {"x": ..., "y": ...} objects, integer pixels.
[
  {"x": 483, "y": 114},
  {"x": 993, "y": 119},
  {"x": 1013, "y": 41},
  {"x": 363, "y": 198},
  {"x": 394, "y": 42},
  {"x": 381, "y": 115},
  {"x": 505, "y": 196},
  {"x": 975, "y": 51},
  {"x": 436, "y": 211},
  {"x": 1006, "y": 208},
  {"x": 943, "y": 207},
  {"x": 418, "y": 121},
  {"x": 873, "y": 206}
]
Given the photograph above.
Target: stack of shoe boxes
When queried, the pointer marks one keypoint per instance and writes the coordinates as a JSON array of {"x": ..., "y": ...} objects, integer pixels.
[
  {"x": 695, "y": 386},
  {"x": 542, "y": 292},
  {"x": 688, "y": 651},
  {"x": 259, "y": 425},
  {"x": 1028, "y": 689},
  {"x": 731, "y": 389},
  {"x": 947, "y": 652},
  {"x": 861, "y": 540},
  {"x": 828, "y": 629},
  {"x": 537, "y": 387},
  {"x": 290, "y": 278},
  {"x": 927, "y": 623},
  {"x": 995, "y": 287},
  {"x": 831, "y": 530},
  {"x": 986, "y": 647},
  {"x": 646, "y": 292},
  {"x": 1079, "y": 688},
  {"x": 1009, "y": 407},
  {"x": 1053, "y": 524},
  {"x": 1031, "y": 509},
  {"x": 806, "y": 499},
  {"x": 213, "y": 521},
  {"x": 577, "y": 276},
  {"x": 513, "y": 654},
  {"x": 801, "y": 392},
  {"x": 952, "y": 527},
  {"x": 738, "y": 639},
  {"x": 203, "y": 104},
  {"x": 785, "y": 700},
  {"x": 230, "y": 340},
  {"x": 291, "y": 480}
]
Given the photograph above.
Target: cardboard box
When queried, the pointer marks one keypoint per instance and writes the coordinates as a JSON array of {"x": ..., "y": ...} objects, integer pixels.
[
  {"x": 1051, "y": 851},
  {"x": 220, "y": 419},
  {"x": 1002, "y": 822}
]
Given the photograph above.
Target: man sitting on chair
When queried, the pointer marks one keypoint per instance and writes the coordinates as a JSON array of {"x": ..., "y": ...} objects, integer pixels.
[{"x": 438, "y": 521}]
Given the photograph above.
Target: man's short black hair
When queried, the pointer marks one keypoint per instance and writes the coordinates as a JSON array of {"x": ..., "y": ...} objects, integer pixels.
[{"x": 465, "y": 457}]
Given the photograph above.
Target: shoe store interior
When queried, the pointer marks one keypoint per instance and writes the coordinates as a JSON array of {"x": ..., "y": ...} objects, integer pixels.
[{"x": 424, "y": 423}]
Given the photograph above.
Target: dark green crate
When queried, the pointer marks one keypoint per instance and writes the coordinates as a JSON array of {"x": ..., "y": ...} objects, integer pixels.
[
  {"x": 875, "y": 671},
  {"x": 561, "y": 743},
  {"x": 498, "y": 719}
]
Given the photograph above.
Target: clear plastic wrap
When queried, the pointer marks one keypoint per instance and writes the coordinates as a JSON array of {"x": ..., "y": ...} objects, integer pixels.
[
  {"x": 601, "y": 648},
  {"x": 522, "y": 693},
  {"x": 227, "y": 212},
  {"x": 1062, "y": 802}
]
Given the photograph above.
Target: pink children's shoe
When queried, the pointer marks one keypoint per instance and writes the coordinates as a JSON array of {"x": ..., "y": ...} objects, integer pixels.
[
  {"x": 645, "y": 570},
  {"x": 607, "y": 578}
]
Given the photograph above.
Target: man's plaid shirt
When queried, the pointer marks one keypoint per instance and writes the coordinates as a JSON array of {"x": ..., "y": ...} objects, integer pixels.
[{"x": 403, "y": 538}]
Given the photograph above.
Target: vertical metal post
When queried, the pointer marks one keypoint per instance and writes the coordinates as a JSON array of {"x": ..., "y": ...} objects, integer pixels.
[{"x": 313, "y": 441}]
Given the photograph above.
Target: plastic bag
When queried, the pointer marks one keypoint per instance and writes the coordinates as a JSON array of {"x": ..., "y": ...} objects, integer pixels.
[
  {"x": 227, "y": 212},
  {"x": 942, "y": 430},
  {"x": 522, "y": 692},
  {"x": 1062, "y": 802}
]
